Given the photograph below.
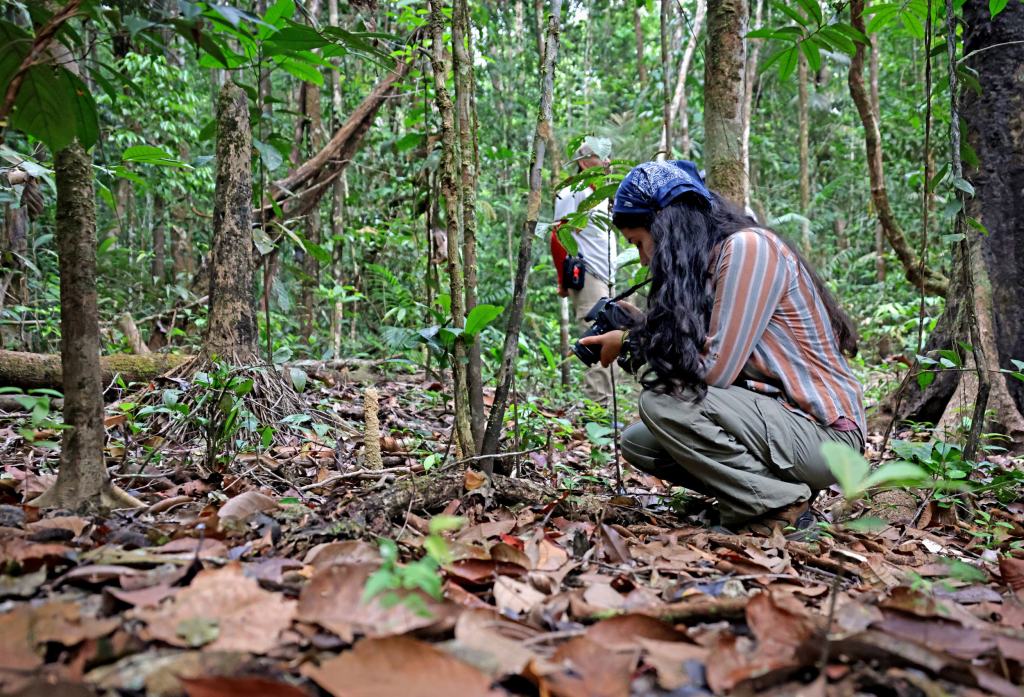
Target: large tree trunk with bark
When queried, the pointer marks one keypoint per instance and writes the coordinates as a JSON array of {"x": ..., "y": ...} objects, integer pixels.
[
  {"x": 723, "y": 98},
  {"x": 82, "y": 480},
  {"x": 638, "y": 32},
  {"x": 232, "y": 332},
  {"x": 995, "y": 131},
  {"x": 932, "y": 281}
]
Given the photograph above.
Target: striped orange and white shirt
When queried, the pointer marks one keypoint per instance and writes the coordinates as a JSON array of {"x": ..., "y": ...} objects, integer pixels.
[{"x": 770, "y": 332}]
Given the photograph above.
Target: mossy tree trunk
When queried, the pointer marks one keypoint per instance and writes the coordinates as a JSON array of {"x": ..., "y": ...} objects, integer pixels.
[
  {"x": 82, "y": 480},
  {"x": 724, "y": 70},
  {"x": 232, "y": 331}
]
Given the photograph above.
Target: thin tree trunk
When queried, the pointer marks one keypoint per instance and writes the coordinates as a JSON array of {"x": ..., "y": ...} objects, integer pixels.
[
  {"x": 462, "y": 52},
  {"x": 82, "y": 480},
  {"x": 724, "y": 68},
  {"x": 638, "y": 32},
  {"x": 680, "y": 101},
  {"x": 665, "y": 148},
  {"x": 877, "y": 108},
  {"x": 310, "y": 264},
  {"x": 750, "y": 81},
  {"x": 450, "y": 190},
  {"x": 232, "y": 332},
  {"x": 159, "y": 268},
  {"x": 805, "y": 173},
  {"x": 563, "y": 339},
  {"x": 506, "y": 369},
  {"x": 933, "y": 281}
]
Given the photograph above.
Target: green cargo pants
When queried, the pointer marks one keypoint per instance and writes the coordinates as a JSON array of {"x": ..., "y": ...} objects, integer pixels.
[{"x": 746, "y": 449}]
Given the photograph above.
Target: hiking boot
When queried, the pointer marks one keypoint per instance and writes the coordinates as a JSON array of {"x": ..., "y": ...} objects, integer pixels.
[{"x": 796, "y": 521}]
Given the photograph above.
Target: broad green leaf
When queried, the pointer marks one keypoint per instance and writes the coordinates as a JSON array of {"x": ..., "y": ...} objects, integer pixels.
[
  {"x": 300, "y": 69},
  {"x": 963, "y": 185},
  {"x": 295, "y": 37},
  {"x": 272, "y": 159},
  {"x": 409, "y": 141},
  {"x": 976, "y": 224},
  {"x": 479, "y": 317},
  {"x": 925, "y": 378},
  {"x": 445, "y": 523},
  {"x": 44, "y": 107},
  {"x": 151, "y": 155},
  {"x": 810, "y": 51},
  {"x": 996, "y": 6},
  {"x": 788, "y": 62},
  {"x": 299, "y": 378},
  {"x": 895, "y": 473},
  {"x": 813, "y": 9},
  {"x": 848, "y": 467}
]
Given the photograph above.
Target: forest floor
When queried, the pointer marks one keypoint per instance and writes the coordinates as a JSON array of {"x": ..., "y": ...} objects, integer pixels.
[{"x": 253, "y": 580}]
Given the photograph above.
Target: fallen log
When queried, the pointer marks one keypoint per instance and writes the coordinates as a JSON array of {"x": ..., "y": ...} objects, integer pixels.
[{"x": 31, "y": 370}]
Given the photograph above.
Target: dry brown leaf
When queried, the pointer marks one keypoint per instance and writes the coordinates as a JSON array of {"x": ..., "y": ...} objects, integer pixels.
[
  {"x": 158, "y": 673},
  {"x": 624, "y": 632},
  {"x": 544, "y": 554},
  {"x": 615, "y": 547},
  {"x": 399, "y": 666},
  {"x": 482, "y": 572},
  {"x": 506, "y": 552},
  {"x": 143, "y": 597},
  {"x": 73, "y": 523},
  {"x": 484, "y": 532},
  {"x": 239, "y": 687},
  {"x": 671, "y": 659},
  {"x": 246, "y": 504},
  {"x": 333, "y": 599},
  {"x": 62, "y": 622},
  {"x": 474, "y": 480},
  {"x": 346, "y": 552},
  {"x": 952, "y": 637},
  {"x": 590, "y": 670},
  {"x": 17, "y": 652},
  {"x": 1012, "y": 571},
  {"x": 247, "y": 618},
  {"x": 493, "y": 643},
  {"x": 516, "y": 597}
]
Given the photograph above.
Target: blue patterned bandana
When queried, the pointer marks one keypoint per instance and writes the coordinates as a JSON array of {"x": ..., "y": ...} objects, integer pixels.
[{"x": 651, "y": 186}]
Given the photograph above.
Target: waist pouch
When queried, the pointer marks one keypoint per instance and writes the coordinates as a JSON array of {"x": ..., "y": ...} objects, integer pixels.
[{"x": 574, "y": 273}]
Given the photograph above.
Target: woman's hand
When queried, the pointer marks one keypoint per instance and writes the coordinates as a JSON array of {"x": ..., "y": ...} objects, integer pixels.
[{"x": 610, "y": 343}]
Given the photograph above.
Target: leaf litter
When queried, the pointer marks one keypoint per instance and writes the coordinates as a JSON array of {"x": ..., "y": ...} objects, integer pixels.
[{"x": 252, "y": 581}]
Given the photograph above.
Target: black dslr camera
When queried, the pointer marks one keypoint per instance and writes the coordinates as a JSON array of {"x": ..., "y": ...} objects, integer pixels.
[{"x": 605, "y": 316}]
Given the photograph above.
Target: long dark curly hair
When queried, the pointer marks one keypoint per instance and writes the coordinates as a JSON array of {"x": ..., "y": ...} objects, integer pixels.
[{"x": 671, "y": 337}]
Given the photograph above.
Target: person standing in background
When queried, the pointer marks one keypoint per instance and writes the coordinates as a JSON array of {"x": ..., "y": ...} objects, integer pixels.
[{"x": 587, "y": 276}]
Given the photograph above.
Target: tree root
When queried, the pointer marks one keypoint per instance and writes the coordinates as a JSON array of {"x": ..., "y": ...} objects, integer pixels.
[{"x": 112, "y": 497}]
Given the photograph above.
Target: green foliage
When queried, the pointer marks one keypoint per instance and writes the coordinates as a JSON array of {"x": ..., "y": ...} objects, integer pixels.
[
  {"x": 424, "y": 574},
  {"x": 855, "y": 477},
  {"x": 42, "y": 421}
]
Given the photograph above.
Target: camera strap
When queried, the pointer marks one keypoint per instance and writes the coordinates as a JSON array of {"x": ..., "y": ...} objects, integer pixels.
[{"x": 629, "y": 291}]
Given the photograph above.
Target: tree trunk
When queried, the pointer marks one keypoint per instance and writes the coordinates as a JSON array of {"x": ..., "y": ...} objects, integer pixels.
[
  {"x": 310, "y": 265},
  {"x": 993, "y": 130},
  {"x": 638, "y": 32},
  {"x": 232, "y": 332},
  {"x": 805, "y": 173},
  {"x": 680, "y": 101},
  {"x": 750, "y": 82},
  {"x": 665, "y": 147},
  {"x": 462, "y": 52},
  {"x": 510, "y": 350},
  {"x": 932, "y": 281},
  {"x": 159, "y": 267},
  {"x": 723, "y": 98},
  {"x": 450, "y": 190},
  {"x": 82, "y": 480}
]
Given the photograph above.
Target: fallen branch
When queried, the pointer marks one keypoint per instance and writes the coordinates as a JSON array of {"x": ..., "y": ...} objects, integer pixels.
[{"x": 33, "y": 370}]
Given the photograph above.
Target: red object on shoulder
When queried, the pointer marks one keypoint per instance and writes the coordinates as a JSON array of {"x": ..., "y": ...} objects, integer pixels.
[{"x": 558, "y": 254}]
